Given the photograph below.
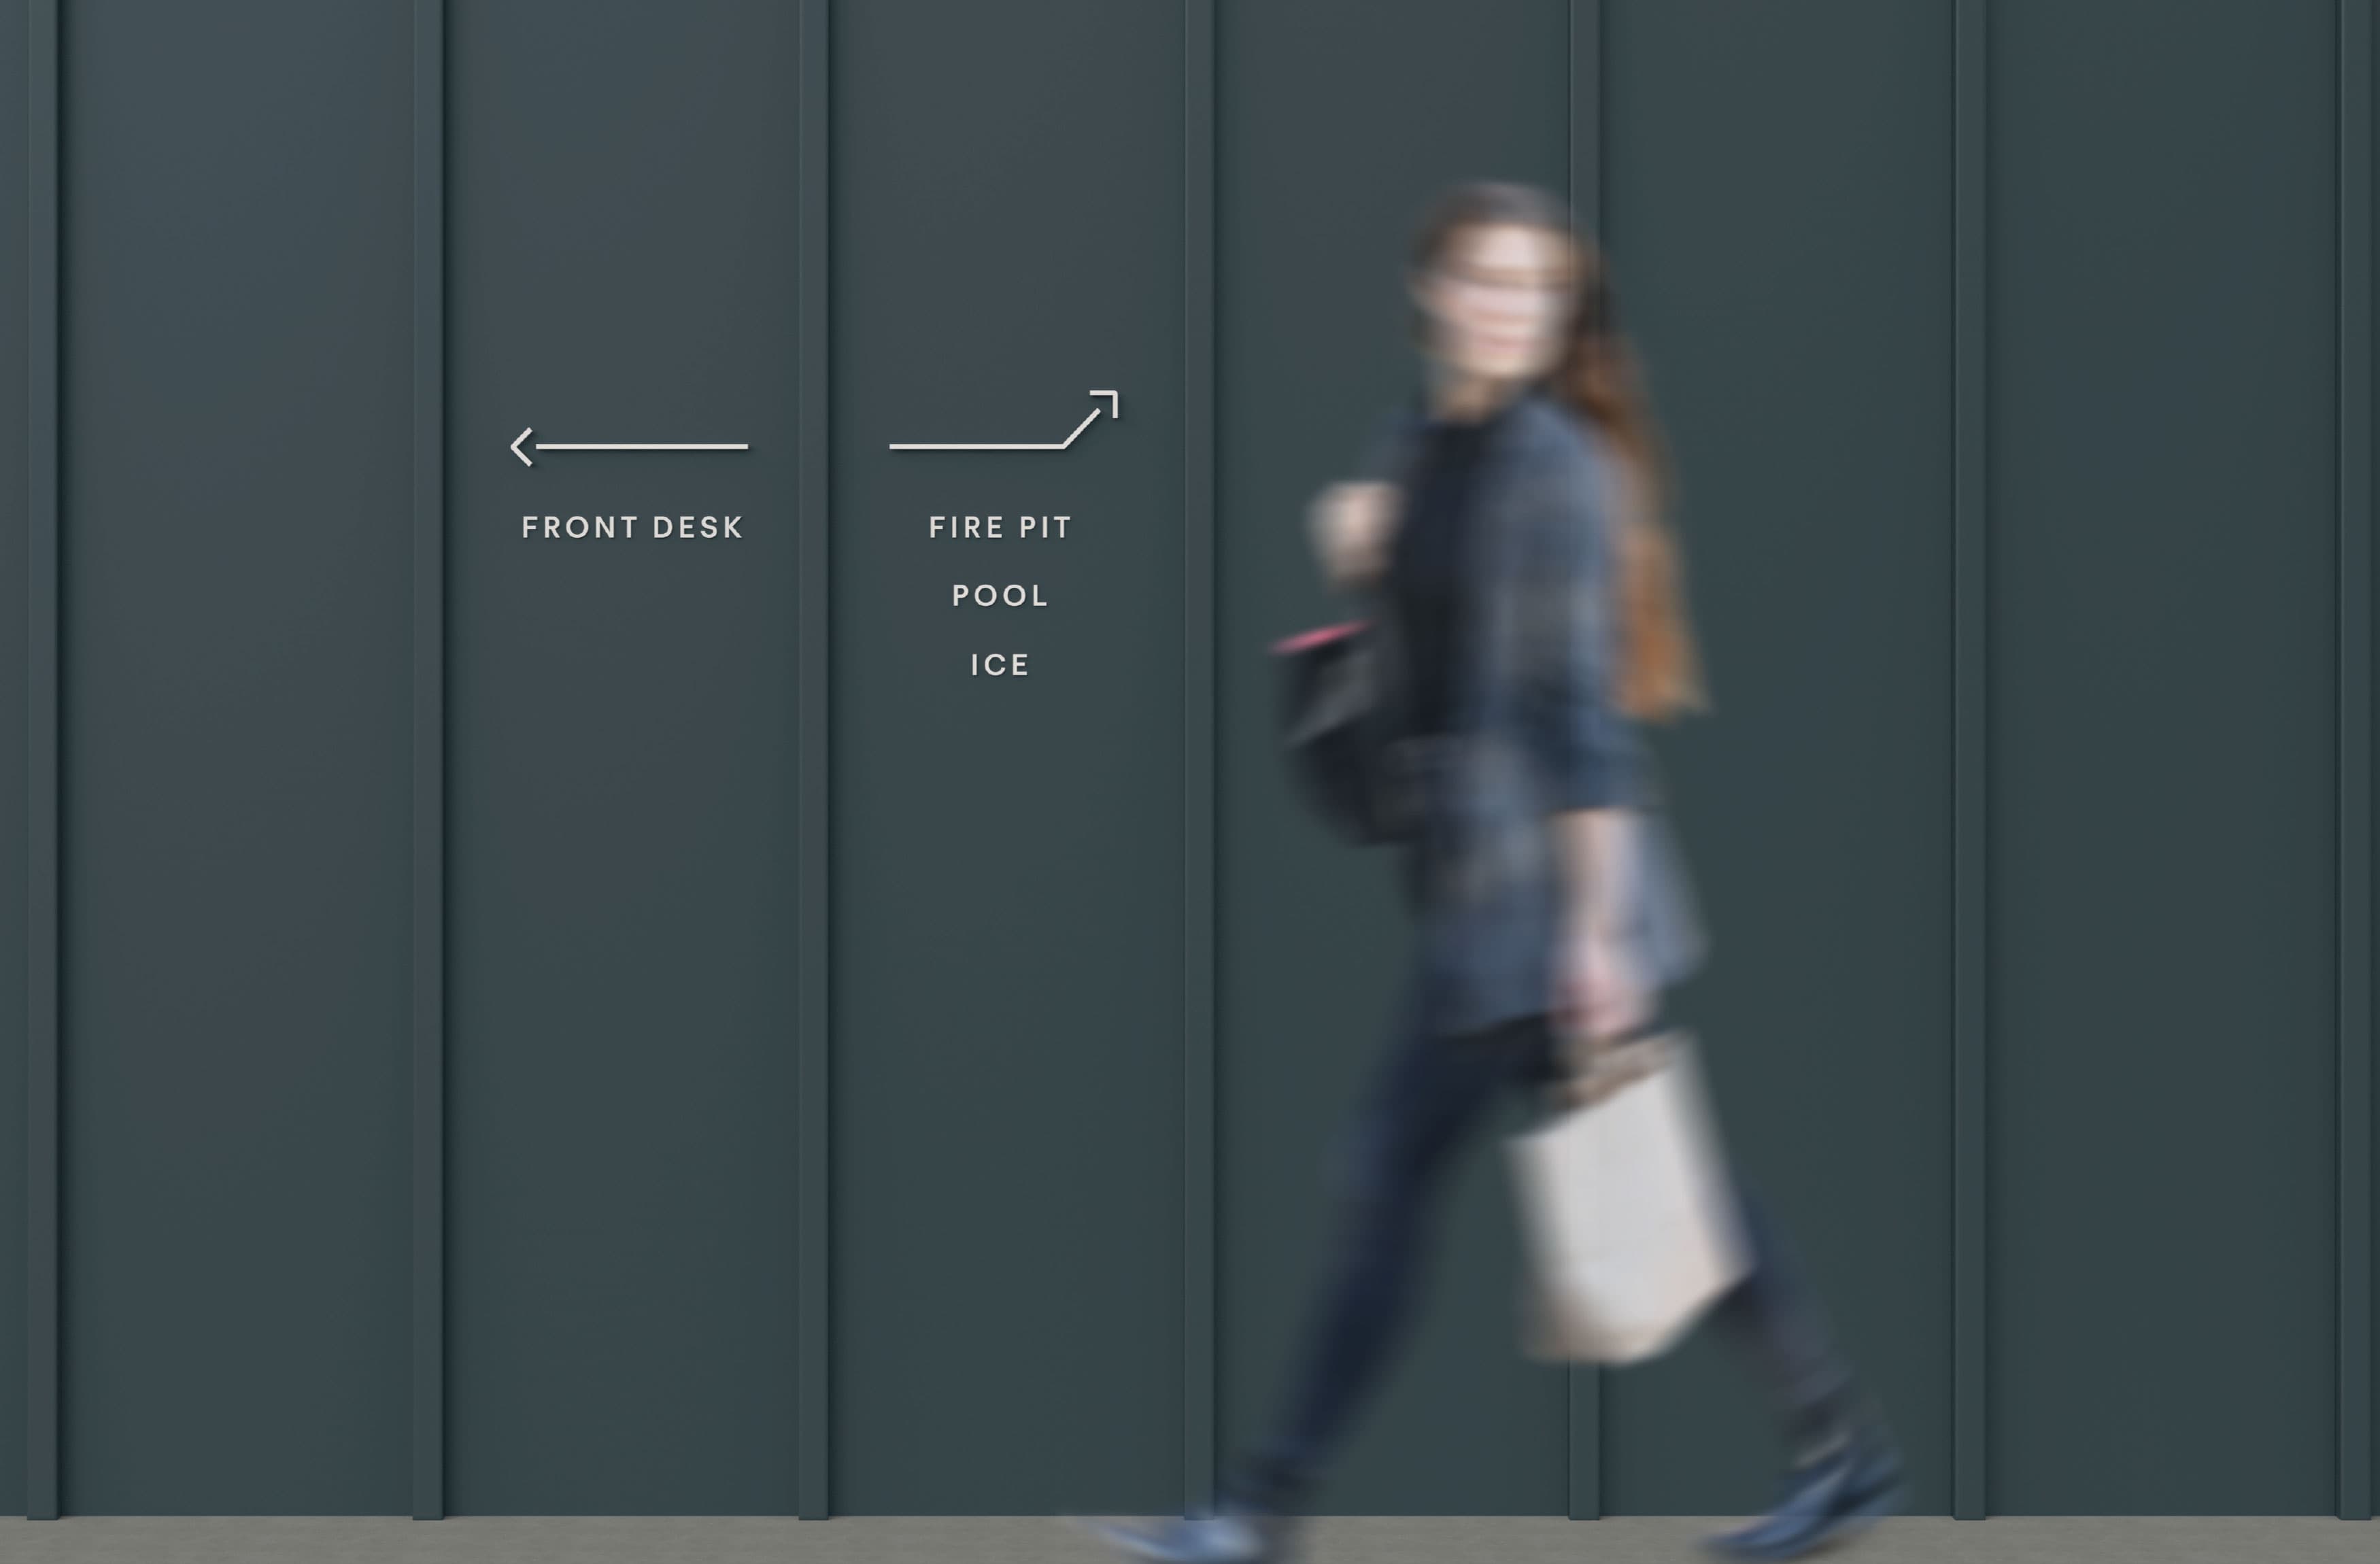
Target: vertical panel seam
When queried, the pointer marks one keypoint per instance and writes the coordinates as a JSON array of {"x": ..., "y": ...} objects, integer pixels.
[
  {"x": 813, "y": 1037},
  {"x": 429, "y": 778},
  {"x": 1970, "y": 762},
  {"x": 41, "y": 1101},
  {"x": 1586, "y": 90},
  {"x": 1198, "y": 1117},
  {"x": 2354, "y": 779}
]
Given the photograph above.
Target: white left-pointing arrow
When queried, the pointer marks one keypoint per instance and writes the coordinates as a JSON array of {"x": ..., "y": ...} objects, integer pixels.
[{"x": 620, "y": 445}]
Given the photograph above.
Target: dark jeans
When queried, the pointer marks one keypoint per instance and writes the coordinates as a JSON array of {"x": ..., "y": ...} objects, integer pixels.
[{"x": 1425, "y": 1096}]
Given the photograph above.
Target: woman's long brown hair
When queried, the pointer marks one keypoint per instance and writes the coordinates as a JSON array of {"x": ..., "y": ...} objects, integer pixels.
[{"x": 1597, "y": 377}]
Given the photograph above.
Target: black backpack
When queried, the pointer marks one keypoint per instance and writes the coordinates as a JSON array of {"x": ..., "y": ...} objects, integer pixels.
[{"x": 1340, "y": 730}]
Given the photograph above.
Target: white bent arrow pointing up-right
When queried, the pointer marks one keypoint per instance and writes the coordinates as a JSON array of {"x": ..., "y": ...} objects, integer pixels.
[{"x": 1115, "y": 410}]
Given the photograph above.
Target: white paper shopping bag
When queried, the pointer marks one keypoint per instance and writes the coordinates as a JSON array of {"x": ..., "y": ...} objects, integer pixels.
[{"x": 1627, "y": 1215}]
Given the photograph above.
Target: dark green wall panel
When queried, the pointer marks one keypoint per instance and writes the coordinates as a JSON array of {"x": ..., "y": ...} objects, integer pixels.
[
  {"x": 1007, "y": 870},
  {"x": 1021, "y": 1305},
  {"x": 620, "y": 933},
  {"x": 12, "y": 763},
  {"x": 2360, "y": 405},
  {"x": 1323, "y": 168},
  {"x": 2163, "y": 657},
  {"x": 1778, "y": 213},
  {"x": 233, "y": 732}
]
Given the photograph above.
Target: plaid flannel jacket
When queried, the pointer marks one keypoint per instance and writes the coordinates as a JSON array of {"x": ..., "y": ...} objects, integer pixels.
[{"x": 1537, "y": 729}]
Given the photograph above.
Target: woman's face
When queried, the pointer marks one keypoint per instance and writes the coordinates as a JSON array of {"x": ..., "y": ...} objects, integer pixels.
[{"x": 1497, "y": 300}]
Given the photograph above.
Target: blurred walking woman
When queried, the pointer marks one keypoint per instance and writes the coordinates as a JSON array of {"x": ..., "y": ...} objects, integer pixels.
[{"x": 1506, "y": 533}]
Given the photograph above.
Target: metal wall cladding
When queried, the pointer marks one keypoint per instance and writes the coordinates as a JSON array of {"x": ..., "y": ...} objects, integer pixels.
[{"x": 503, "y": 1020}]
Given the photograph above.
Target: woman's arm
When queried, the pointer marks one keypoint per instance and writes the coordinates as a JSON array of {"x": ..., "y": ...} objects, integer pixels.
[
  {"x": 1592, "y": 845},
  {"x": 1569, "y": 598},
  {"x": 1591, "y": 752},
  {"x": 1599, "y": 992}
]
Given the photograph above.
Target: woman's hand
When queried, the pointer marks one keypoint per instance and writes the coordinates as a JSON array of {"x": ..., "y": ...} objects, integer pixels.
[
  {"x": 1352, "y": 523},
  {"x": 1599, "y": 990}
]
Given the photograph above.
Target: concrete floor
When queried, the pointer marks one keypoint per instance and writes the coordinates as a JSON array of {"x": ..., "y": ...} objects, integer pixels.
[{"x": 1006, "y": 1540}]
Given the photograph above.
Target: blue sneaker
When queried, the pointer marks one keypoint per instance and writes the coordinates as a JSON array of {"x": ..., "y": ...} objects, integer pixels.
[
  {"x": 1230, "y": 1535},
  {"x": 1826, "y": 1500}
]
